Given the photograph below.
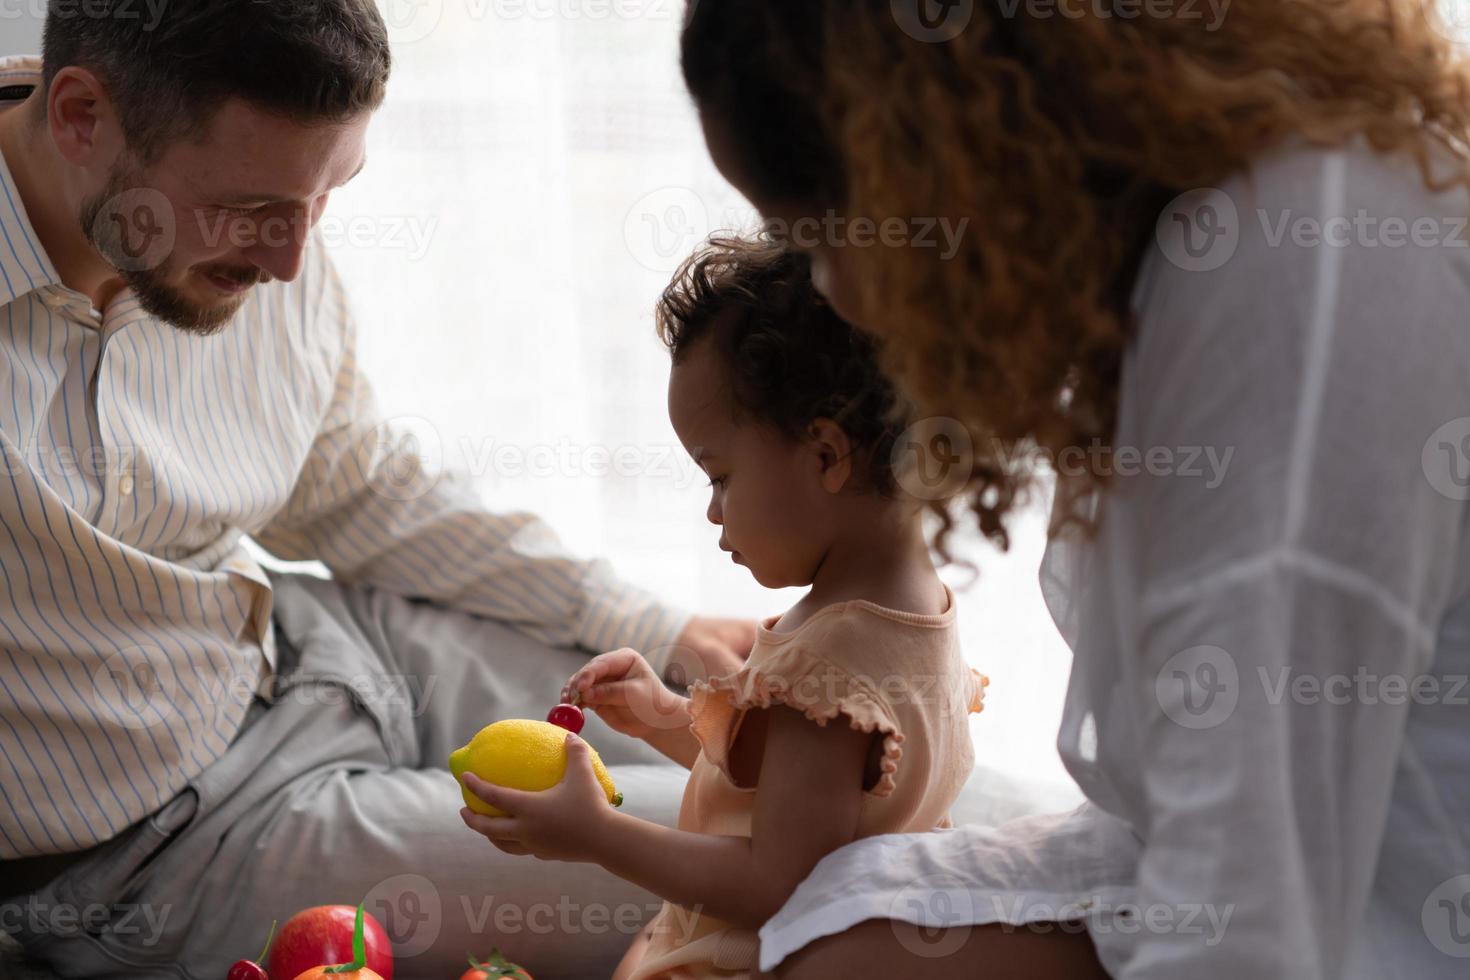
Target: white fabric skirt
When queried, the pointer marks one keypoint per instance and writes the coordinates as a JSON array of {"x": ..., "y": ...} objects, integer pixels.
[{"x": 1075, "y": 868}]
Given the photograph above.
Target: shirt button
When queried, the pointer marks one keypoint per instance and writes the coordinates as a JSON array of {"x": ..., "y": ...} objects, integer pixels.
[{"x": 125, "y": 486}]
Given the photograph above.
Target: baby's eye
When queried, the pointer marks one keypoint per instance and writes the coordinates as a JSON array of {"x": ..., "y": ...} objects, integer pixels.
[{"x": 717, "y": 481}]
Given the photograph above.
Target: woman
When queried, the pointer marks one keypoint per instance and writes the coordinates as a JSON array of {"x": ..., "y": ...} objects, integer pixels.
[{"x": 1188, "y": 237}]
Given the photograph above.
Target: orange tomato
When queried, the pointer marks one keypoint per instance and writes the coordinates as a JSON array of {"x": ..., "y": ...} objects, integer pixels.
[{"x": 320, "y": 973}]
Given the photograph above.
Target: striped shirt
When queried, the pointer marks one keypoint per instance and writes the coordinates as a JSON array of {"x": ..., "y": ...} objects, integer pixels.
[{"x": 135, "y": 459}]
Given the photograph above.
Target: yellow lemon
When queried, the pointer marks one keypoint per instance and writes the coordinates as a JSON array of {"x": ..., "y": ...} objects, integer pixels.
[{"x": 520, "y": 754}]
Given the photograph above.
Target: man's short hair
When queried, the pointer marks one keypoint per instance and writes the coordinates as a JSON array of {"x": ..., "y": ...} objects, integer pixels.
[{"x": 169, "y": 68}]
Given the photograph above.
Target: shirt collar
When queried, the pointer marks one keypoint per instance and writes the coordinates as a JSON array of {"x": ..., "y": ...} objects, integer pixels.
[{"x": 24, "y": 264}]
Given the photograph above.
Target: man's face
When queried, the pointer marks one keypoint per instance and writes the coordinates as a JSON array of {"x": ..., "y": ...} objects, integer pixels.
[{"x": 210, "y": 218}]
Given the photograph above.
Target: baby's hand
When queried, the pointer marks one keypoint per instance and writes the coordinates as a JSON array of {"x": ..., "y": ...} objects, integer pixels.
[
  {"x": 626, "y": 692},
  {"x": 569, "y": 822}
]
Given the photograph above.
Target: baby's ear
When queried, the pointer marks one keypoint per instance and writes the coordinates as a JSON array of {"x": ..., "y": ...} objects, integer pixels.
[{"x": 834, "y": 454}]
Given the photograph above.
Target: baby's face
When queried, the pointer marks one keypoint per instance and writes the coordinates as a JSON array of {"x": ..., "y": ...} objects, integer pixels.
[{"x": 765, "y": 490}]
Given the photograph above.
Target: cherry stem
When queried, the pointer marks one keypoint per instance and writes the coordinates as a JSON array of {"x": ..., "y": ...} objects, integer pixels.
[{"x": 268, "y": 937}]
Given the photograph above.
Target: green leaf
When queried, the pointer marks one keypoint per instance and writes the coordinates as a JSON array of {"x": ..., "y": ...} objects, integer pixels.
[
  {"x": 359, "y": 943},
  {"x": 498, "y": 966},
  {"x": 359, "y": 950}
]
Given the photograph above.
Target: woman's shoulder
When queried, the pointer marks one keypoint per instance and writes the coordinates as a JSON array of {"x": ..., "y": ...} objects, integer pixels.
[
  {"x": 1367, "y": 247},
  {"x": 1292, "y": 204},
  {"x": 1300, "y": 180}
]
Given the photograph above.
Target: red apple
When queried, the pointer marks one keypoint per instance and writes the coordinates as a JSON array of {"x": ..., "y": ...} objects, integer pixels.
[{"x": 322, "y": 936}]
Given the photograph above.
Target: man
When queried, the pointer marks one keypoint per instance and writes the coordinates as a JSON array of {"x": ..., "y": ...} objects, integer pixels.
[{"x": 192, "y": 748}]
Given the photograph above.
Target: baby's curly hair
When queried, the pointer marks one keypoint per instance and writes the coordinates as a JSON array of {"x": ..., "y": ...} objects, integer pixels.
[{"x": 789, "y": 359}]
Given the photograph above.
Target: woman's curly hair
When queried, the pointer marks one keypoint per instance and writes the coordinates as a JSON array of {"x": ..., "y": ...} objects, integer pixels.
[
  {"x": 788, "y": 358},
  {"x": 1061, "y": 138}
]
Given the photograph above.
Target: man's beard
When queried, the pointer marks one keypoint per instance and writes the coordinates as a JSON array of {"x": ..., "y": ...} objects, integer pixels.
[{"x": 152, "y": 284}]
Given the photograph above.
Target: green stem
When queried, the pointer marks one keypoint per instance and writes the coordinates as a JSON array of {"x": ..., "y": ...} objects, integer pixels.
[
  {"x": 359, "y": 950},
  {"x": 268, "y": 937}
]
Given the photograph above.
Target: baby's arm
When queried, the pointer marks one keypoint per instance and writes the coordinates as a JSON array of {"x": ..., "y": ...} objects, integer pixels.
[
  {"x": 809, "y": 795},
  {"x": 807, "y": 803},
  {"x": 678, "y": 743}
]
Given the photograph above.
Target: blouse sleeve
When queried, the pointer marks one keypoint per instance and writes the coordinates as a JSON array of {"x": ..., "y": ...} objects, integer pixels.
[
  {"x": 978, "y": 683},
  {"x": 1325, "y": 553}
]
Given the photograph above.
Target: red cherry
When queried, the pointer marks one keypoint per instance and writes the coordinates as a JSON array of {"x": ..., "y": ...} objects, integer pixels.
[
  {"x": 567, "y": 716},
  {"x": 246, "y": 970},
  {"x": 249, "y": 969}
]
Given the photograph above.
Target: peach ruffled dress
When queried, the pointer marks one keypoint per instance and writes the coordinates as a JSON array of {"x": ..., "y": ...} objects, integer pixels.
[{"x": 882, "y": 670}]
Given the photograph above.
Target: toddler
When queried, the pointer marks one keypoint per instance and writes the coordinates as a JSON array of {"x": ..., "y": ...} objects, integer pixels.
[{"x": 850, "y": 718}]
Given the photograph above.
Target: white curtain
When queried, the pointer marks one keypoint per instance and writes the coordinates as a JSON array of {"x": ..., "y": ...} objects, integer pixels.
[{"x": 534, "y": 178}]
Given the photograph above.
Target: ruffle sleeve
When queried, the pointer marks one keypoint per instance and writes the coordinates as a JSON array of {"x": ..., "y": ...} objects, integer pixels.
[
  {"x": 802, "y": 679},
  {"x": 978, "y": 683}
]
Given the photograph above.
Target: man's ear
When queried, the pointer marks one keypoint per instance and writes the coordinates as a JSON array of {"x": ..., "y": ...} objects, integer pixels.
[
  {"x": 82, "y": 120},
  {"x": 833, "y": 451}
]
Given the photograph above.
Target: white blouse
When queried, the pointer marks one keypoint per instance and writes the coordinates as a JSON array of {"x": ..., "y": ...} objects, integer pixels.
[{"x": 1268, "y": 709}]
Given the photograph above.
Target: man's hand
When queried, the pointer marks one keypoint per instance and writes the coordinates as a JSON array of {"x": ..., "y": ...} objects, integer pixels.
[{"x": 710, "y": 647}]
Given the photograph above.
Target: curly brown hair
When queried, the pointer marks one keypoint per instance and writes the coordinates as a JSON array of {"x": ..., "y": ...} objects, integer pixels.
[
  {"x": 1061, "y": 138},
  {"x": 789, "y": 359}
]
